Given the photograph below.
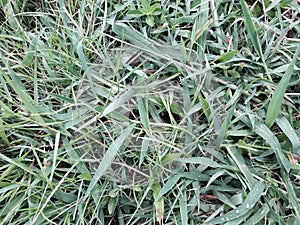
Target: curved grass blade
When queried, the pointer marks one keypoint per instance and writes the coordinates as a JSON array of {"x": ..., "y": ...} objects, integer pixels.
[
  {"x": 263, "y": 131},
  {"x": 224, "y": 128},
  {"x": 277, "y": 97},
  {"x": 81, "y": 55},
  {"x": 288, "y": 130},
  {"x": 293, "y": 199},
  {"x": 260, "y": 214},
  {"x": 251, "y": 199}
]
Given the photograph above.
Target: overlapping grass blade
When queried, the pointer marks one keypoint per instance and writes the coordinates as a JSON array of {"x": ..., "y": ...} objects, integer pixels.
[
  {"x": 263, "y": 131},
  {"x": 252, "y": 32},
  {"x": 108, "y": 159},
  {"x": 288, "y": 130},
  {"x": 238, "y": 159},
  {"x": 250, "y": 201},
  {"x": 278, "y": 95}
]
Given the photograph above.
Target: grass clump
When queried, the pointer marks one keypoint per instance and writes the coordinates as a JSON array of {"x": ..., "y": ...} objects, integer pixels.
[{"x": 149, "y": 112}]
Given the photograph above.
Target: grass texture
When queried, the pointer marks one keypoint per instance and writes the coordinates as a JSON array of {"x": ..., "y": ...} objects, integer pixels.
[{"x": 149, "y": 112}]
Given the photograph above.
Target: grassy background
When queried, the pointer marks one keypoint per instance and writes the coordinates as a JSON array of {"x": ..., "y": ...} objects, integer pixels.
[{"x": 149, "y": 112}]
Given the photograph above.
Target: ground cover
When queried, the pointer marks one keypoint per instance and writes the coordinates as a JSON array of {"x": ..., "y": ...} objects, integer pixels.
[{"x": 149, "y": 112}]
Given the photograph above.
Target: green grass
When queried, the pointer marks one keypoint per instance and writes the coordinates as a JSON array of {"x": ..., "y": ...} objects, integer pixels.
[{"x": 149, "y": 112}]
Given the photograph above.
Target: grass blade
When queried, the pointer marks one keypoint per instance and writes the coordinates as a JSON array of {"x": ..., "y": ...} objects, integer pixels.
[
  {"x": 183, "y": 208},
  {"x": 277, "y": 97},
  {"x": 108, "y": 159},
  {"x": 250, "y": 201},
  {"x": 293, "y": 198},
  {"x": 288, "y": 130},
  {"x": 19, "y": 88},
  {"x": 172, "y": 181},
  {"x": 260, "y": 214},
  {"x": 238, "y": 159},
  {"x": 252, "y": 30},
  {"x": 263, "y": 131},
  {"x": 159, "y": 205}
]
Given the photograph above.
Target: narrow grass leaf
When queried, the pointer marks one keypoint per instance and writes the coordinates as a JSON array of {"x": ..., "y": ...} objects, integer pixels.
[
  {"x": 19, "y": 88},
  {"x": 250, "y": 201},
  {"x": 240, "y": 162},
  {"x": 293, "y": 199},
  {"x": 11, "y": 207},
  {"x": 227, "y": 56},
  {"x": 3, "y": 135},
  {"x": 159, "y": 205},
  {"x": 200, "y": 160},
  {"x": 172, "y": 181},
  {"x": 223, "y": 198},
  {"x": 108, "y": 159},
  {"x": 5, "y": 187},
  {"x": 252, "y": 30},
  {"x": 183, "y": 208},
  {"x": 30, "y": 52},
  {"x": 116, "y": 103},
  {"x": 288, "y": 130},
  {"x": 263, "y": 131},
  {"x": 206, "y": 107},
  {"x": 241, "y": 219},
  {"x": 81, "y": 55},
  {"x": 260, "y": 214},
  {"x": 277, "y": 97},
  {"x": 133, "y": 36},
  {"x": 20, "y": 165},
  {"x": 143, "y": 111},
  {"x": 55, "y": 152},
  {"x": 144, "y": 149},
  {"x": 215, "y": 176},
  {"x": 224, "y": 128}
]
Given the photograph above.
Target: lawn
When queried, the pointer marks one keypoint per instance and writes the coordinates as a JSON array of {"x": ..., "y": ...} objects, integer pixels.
[{"x": 139, "y": 112}]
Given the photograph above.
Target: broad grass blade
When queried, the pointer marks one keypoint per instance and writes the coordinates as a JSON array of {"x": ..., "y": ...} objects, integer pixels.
[
  {"x": 260, "y": 214},
  {"x": 81, "y": 55},
  {"x": 183, "y": 208},
  {"x": 277, "y": 97},
  {"x": 159, "y": 205},
  {"x": 240, "y": 162},
  {"x": 288, "y": 130},
  {"x": 108, "y": 159},
  {"x": 116, "y": 103},
  {"x": 250, "y": 201},
  {"x": 200, "y": 160},
  {"x": 3, "y": 135},
  {"x": 225, "y": 126},
  {"x": 263, "y": 131},
  {"x": 172, "y": 181}
]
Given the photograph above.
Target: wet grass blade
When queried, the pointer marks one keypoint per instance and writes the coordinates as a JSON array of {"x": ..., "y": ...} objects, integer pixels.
[
  {"x": 238, "y": 159},
  {"x": 288, "y": 130},
  {"x": 250, "y": 201},
  {"x": 260, "y": 214}
]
